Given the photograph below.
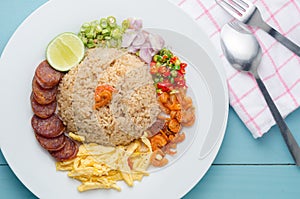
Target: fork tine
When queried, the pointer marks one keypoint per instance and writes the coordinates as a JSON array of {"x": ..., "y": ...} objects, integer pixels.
[
  {"x": 244, "y": 3},
  {"x": 238, "y": 4},
  {"x": 248, "y": 3},
  {"x": 229, "y": 8},
  {"x": 239, "y": 27}
]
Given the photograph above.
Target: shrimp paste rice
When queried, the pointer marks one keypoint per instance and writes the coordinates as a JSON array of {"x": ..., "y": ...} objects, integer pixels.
[{"x": 132, "y": 110}]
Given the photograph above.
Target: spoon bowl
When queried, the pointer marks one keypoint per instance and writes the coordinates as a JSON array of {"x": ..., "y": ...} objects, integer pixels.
[
  {"x": 244, "y": 53},
  {"x": 241, "y": 48}
]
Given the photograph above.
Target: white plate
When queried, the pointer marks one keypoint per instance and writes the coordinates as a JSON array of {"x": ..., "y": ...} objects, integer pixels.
[{"x": 26, "y": 49}]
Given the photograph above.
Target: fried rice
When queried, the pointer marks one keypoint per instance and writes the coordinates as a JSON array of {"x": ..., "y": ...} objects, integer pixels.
[{"x": 132, "y": 110}]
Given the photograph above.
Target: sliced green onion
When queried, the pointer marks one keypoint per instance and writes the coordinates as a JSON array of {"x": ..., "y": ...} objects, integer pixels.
[
  {"x": 90, "y": 35},
  {"x": 177, "y": 62},
  {"x": 156, "y": 80},
  {"x": 176, "y": 67},
  {"x": 158, "y": 90},
  {"x": 169, "y": 54},
  {"x": 99, "y": 37},
  {"x": 106, "y": 31},
  {"x": 85, "y": 27},
  {"x": 158, "y": 75},
  {"x": 90, "y": 44},
  {"x": 112, "y": 22},
  {"x": 84, "y": 40},
  {"x": 98, "y": 29},
  {"x": 103, "y": 23},
  {"x": 172, "y": 80},
  {"x": 169, "y": 63},
  {"x": 158, "y": 64},
  {"x": 173, "y": 73},
  {"x": 125, "y": 25},
  {"x": 157, "y": 58},
  {"x": 174, "y": 91},
  {"x": 116, "y": 33}
]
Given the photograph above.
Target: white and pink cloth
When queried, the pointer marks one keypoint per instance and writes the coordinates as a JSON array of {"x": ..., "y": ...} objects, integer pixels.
[{"x": 279, "y": 69}]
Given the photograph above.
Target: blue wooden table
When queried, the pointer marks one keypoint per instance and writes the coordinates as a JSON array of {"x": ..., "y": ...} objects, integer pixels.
[{"x": 243, "y": 168}]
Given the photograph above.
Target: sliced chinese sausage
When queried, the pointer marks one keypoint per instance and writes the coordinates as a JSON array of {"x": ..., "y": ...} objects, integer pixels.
[
  {"x": 43, "y": 111},
  {"x": 50, "y": 127},
  {"x": 68, "y": 152},
  {"x": 41, "y": 95},
  {"x": 46, "y": 76},
  {"x": 156, "y": 127},
  {"x": 51, "y": 144}
]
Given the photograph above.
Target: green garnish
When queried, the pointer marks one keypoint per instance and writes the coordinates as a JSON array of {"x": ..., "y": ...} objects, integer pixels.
[{"x": 103, "y": 33}]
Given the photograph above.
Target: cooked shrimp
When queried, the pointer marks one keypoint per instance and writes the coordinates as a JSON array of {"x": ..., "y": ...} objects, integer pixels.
[
  {"x": 178, "y": 116},
  {"x": 188, "y": 117},
  {"x": 158, "y": 141},
  {"x": 103, "y": 98},
  {"x": 173, "y": 114},
  {"x": 180, "y": 95},
  {"x": 101, "y": 88},
  {"x": 103, "y": 95},
  {"x": 179, "y": 138},
  {"x": 173, "y": 107},
  {"x": 187, "y": 102},
  {"x": 158, "y": 159},
  {"x": 190, "y": 122},
  {"x": 163, "y": 108},
  {"x": 173, "y": 99},
  {"x": 174, "y": 126},
  {"x": 170, "y": 148},
  {"x": 164, "y": 97},
  {"x": 178, "y": 111}
]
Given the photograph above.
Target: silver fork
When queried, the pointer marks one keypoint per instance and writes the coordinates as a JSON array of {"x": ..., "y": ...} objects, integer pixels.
[{"x": 246, "y": 12}]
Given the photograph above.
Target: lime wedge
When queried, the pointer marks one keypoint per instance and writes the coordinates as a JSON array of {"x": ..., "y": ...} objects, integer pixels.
[{"x": 65, "y": 51}]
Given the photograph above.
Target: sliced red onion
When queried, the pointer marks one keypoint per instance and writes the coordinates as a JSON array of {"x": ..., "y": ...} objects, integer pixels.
[
  {"x": 145, "y": 53},
  {"x": 145, "y": 33},
  {"x": 139, "y": 40},
  {"x": 135, "y": 24},
  {"x": 128, "y": 37},
  {"x": 156, "y": 41},
  {"x": 133, "y": 49}
]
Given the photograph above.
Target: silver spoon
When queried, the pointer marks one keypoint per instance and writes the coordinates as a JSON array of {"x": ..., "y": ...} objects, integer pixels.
[{"x": 243, "y": 52}]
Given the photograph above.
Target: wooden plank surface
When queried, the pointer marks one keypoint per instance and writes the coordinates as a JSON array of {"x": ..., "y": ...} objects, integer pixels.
[
  {"x": 221, "y": 181},
  {"x": 249, "y": 181},
  {"x": 239, "y": 147},
  {"x": 2, "y": 160},
  {"x": 10, "y": 186}
]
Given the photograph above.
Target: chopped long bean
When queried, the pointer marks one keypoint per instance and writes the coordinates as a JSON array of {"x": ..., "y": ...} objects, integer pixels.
[{"x": 103, "y": 33}]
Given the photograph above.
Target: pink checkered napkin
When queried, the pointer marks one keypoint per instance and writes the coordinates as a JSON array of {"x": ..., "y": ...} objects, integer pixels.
[{"x": 279, "y": 70}]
